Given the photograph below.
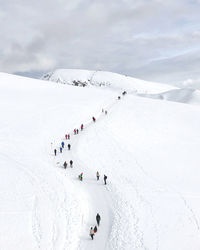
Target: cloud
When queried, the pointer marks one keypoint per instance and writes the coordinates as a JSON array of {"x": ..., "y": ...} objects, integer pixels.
[{"x": 121, "y": 36}]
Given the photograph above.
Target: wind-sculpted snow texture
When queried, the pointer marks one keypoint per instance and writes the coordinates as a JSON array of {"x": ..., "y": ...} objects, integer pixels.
[{"x": 149, "y": 149}]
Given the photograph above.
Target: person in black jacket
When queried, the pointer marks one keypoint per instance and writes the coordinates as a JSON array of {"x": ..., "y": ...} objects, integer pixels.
[
  {"x": 65, "y": 164},
  {"x": 55, "y": 151},
  {"x": 69, "y": 146},
  {"x": 98, "y": 218},
  {"x": 105, "y": 178},
  {"x": 71, "y": 163}
]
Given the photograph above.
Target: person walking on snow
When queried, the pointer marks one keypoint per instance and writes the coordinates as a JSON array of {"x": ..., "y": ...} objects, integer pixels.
[
  {"x": 75, "y": 131},
  {"x": 71, "y": 163},
  {"x": 81, "y": 126},
  {"x": 69, "y": 146},
  {"x": 95, "y": 229},
  {"x": 80, "y": 177},
  {"x": 105, "y": 178},
  {"x": 62, "y": 144},
  {"x": 55, "y": 152},
  {"x": 98, "y": 218},
  {"x": 94, "y": 119},
  {"x": 60, "y": 149},
  {"x": 98, "y": 175},
  {"x": 106, "y": 112},
  {"x": 65, "y": 164},
  {"x": 91, "y": 233},
  {"x": 66, "y": 137}
]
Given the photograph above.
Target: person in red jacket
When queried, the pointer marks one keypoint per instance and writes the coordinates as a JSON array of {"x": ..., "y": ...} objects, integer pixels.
[{"x": 81, "y": 126}]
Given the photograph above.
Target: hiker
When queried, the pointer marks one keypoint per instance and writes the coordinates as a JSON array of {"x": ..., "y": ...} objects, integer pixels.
[
  {"x": 81, "y": 126},
  {"x": 62, "y": 144},
  {"x": 98, "y": 175},
  {"x": 102, "y": 110},
  {"x": 69, "y": 146},
  {"x": 92, "y": 232},
  {"x": 80, "y": 177},
  {"x": 106, "y": 112},
  {"x": 71, "y": 163},
  {"x": 94, "y": 119},
  {"x": 98, "y": 218},
  {"x": 119, "y": 97},
  {"x": 105, "y": 178},
  {"x": 75, "y": 131},
  {"x": 55, "y": 151},
  {"x": 66, "y": 137},
  {"x": 65, "y": 164},
  {"x": 95, "y": 229},
  {"x": 60, "y": 149}
]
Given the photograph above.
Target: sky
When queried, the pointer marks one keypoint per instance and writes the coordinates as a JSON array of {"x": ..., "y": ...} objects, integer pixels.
[{"x": 156, "y": 40}]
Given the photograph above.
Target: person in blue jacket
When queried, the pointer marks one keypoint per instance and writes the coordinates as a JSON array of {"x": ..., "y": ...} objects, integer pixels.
[
  {"x": 62, "y": 144},
  {"x": 60, "y": 149}
]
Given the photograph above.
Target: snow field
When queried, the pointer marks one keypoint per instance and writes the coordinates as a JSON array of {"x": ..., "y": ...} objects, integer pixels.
[
  {"x": 151, "y": 162},
  {"x": 147, "y": 148},
  {"x": 41, "y": 208}
]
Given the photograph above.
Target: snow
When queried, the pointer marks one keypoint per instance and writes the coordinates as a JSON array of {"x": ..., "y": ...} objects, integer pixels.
[
  {"x": 189, "y": 96},
  {"x": 148, "y": 148},
  {"x": 104, "y": 78}
]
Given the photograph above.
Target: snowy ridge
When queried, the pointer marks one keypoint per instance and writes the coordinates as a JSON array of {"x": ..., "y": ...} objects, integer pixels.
[
  {"x": 121, "y": 82},
  {"x": 148, "y": 148},
  {"x": 189, "y": 96},
  {"x": 106, "y": 79}
]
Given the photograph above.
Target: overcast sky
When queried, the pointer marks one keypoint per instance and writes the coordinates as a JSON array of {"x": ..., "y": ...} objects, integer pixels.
[{"x": 149, "y": 39}]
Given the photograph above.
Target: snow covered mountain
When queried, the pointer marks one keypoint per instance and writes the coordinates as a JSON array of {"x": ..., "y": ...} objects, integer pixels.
[
  {"x": 83, "y": 78},
  {"x": 148, "y": 148},
  {"x": 119, "y": 82}
]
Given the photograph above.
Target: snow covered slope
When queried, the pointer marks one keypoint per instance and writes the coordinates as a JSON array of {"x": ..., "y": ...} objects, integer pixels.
[
  {"x": 103, "y": 78},
  {"x": 149, "y": 149},
  {"x": 122, "y": 82},
  {"x": 189, "y": 96}
]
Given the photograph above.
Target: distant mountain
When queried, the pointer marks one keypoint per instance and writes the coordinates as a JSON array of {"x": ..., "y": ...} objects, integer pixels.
[{"x": 116, "y": 81}]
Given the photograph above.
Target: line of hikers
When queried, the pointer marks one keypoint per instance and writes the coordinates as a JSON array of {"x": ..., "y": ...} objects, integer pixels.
[
  {"x": 104, "y": 178},
  {"x": 94, "y": 230},
  {"x": 70, "y": 164},
  {"x": 67, "y": 137},
  {"x": 104, "y": 111},
  {"x": 80, "y": 177},
  {"x": 76, "y": 130},
  {"x": 62, "y": 147}
]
